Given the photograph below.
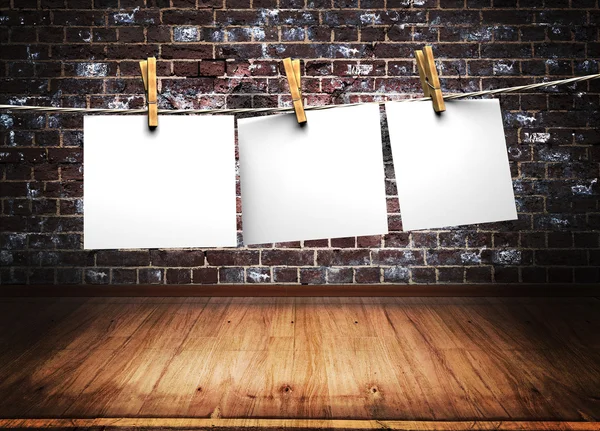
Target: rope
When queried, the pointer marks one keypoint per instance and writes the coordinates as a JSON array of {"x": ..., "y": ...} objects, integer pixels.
[{"x": 52, "y": 109}]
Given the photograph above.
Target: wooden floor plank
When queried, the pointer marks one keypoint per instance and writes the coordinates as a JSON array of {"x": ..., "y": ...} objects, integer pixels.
[
  {"x": 173, "y": 393},
  {"x": 122, "y": 388},
  {"x": 508, "y": 360},
  {"x": 310, "y": 395},
  {"x": 28, "y": 323},
  {"x": 62, "y": 384},
  {"x": 250, "y": 324},
  {"x": 218, "y": 381},
  {"x": 207, "y": 325},
  {"x": 167, "y": 327},
  {"x": 97, "y": 325}
]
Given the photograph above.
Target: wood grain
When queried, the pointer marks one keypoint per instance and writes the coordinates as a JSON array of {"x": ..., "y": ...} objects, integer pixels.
[
  {"x": 304, "y": 424},
  {"x": 427, "y": 360}
]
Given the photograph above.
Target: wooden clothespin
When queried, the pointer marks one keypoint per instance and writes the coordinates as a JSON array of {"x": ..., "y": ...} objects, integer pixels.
[
  {"x": 148, "y": 68},
  {"x": 292, "y": 71},
  {"x": 429, "y": 78}
]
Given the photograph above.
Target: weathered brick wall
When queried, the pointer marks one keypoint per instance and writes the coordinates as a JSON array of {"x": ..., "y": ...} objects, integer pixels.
[{"x": 224, "y": 53}]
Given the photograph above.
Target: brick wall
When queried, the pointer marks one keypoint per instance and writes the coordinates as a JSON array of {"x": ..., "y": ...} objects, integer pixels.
[{"x": 224, "y": 53}]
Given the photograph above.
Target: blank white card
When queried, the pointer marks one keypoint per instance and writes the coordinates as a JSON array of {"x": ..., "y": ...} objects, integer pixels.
[
  {"x": 451, "y": 168},
  {"x": 324, "y": 179},
  {"x": 171, "y": 187}
]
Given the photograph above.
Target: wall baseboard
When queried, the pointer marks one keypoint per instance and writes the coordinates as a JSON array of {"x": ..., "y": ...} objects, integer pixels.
[{"x": 282, "y": 290}]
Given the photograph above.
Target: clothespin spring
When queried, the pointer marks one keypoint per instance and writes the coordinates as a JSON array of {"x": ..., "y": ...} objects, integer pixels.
[{"x": 432, "y": 87}]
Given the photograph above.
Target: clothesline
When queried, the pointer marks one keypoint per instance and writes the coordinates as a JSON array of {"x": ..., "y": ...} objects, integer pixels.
[{"x": 53, "y": 109}]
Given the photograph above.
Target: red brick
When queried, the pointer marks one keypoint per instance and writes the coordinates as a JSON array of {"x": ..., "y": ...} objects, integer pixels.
[
  {"x": 212, "y": 68},
  {"x": 97, "y": 276},
  {"x": 340, "y": 275},
  {"x": 206, "y": 275},
  {"x": 424, "y": 275},
  {"x": 506, "y": 275},
  {"x": 289, "y": 244},
  {"x": 285, "y": 275},
  {"x": 151, "y": 275},
  {"x": 397, "y": 239},
  {"x": 232, "y": 257},
  {"x": 343, "y": 257},
  {"x": 344, "y": 242},
  {"x": 124, "y": 276},
  {"x": 287, "y": 257},
  {"x": 398, "y": 257},
  {"x": 13, "y": 188},
  {"x": 179, "y": 276},
  {"x": 480, "y": 274},
  {"x": 231, "y": 275},
  {"x": 122, "y": 258},
  {"x": 258, "y": 275},
  {"x": 533, "y": 274},
  {"x": 316, "y": 243},
  {"x": 41, "y": 275},
  {"x": 187, "y": 51},
  {"x": 372, "y": 241},
  {"x": 451, "y": 275},
  {"x": 18, "y": 172},
  {"x": 177, "y": 258},
  {"x": 367, "y": 275},
  {"x": 312, "y": 275}
]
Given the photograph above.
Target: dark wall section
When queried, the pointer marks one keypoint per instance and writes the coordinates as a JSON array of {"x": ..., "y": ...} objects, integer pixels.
[{"x": 225, "y": 53}]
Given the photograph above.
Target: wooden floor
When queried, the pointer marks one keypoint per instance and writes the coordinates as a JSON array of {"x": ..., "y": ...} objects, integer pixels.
[{"x": 410, "y": 359}]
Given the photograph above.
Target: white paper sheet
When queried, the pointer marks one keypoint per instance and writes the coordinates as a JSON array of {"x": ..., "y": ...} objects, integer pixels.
[
  {"x": 171, "y": 187},
  {"x": 451, "y": 168},
  {"x": 321, "y": 180}
]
